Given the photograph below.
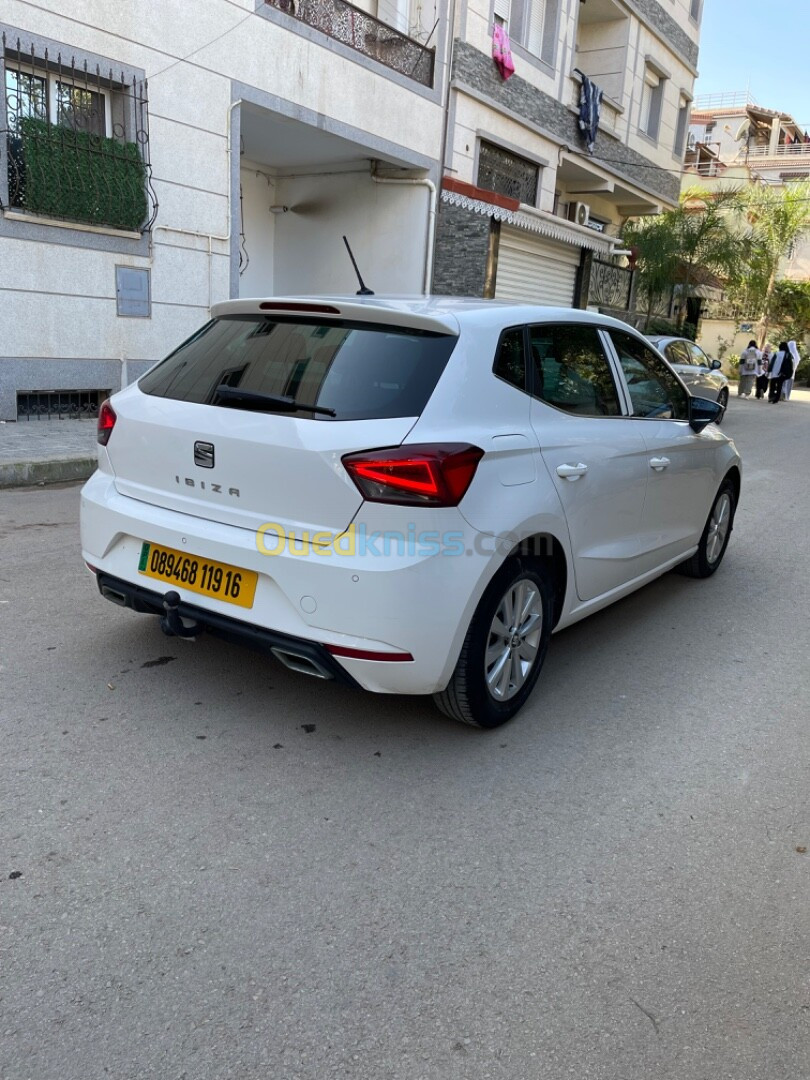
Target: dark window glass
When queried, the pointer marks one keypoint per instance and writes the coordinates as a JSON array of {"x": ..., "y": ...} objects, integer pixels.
[
  {"x": 677, "y": 353},
  {"x": 571, "y": 372},
  {"x": 510, "y": 360},
  {"x": 26, "y": 95},
  {"x": 80, "y": 109},
  {"x": 699, "y": 357},
  {"x": 362, "y": 371},
  {"x": 654, "y": 388}
]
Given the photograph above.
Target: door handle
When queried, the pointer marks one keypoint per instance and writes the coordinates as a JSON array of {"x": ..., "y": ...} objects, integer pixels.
[
  {"x": 572, "y": 472},
  {"x": 659, "y": 463}
]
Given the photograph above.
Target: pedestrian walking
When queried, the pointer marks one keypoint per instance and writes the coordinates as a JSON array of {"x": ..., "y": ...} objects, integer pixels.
[
  {"x": 781, "y": 368},
  {"x": 749, "y": 360},
  {"x": 787, "y": 385},
  {"x": 762, "y": 372}
]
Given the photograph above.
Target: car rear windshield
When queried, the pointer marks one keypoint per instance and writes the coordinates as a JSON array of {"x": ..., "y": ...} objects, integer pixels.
[{"x": 361, "y": 371}]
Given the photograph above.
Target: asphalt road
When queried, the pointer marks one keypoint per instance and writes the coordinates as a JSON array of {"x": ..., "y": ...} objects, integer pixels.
[{"x": 212, "y": 868}]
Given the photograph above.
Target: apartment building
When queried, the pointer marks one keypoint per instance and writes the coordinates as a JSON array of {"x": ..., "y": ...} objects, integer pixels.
[
  {"x": 527, "y": 211},
  {"x": 157, "y": 158},
  {"x": 733, "y": 142}
]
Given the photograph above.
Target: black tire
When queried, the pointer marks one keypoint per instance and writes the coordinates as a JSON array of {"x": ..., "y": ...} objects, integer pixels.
[
  {"x": 468, "y": 696},
  {"x": 708, "y": 555},
  {"x": 722, "y": 399}
]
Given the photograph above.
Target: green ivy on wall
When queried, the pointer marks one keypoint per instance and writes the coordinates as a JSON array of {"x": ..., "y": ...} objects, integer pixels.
[{"x": 78, "y": 176}]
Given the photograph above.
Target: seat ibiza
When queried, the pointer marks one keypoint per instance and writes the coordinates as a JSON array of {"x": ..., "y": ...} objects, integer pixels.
[{"x": 404, "y": 495}]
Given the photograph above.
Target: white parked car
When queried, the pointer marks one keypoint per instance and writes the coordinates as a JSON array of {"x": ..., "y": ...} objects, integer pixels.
[
  {"x": 406, "y": 495},
  {"x": 698, "y": 370}
]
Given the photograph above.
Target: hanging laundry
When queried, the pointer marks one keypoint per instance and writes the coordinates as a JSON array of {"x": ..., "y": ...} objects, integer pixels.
[
  {"x": 590, "y": 102},
  {"x": 502, "y": 52}
]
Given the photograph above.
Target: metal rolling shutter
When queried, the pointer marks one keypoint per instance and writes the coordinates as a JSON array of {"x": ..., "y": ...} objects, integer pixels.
[{"x": 535, "y": 269}]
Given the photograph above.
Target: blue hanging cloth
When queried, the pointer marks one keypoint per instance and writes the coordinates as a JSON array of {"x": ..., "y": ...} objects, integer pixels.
[{"x": 590, "y": 102}]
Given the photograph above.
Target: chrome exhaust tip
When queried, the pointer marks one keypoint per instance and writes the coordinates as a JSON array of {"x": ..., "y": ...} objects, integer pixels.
[
  {"x": 305, "y": 665},
  {"x": 113, "y": 595}
]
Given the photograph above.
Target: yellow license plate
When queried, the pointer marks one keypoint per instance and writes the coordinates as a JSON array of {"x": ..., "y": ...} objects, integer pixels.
[{"x": 204, "y": 576}]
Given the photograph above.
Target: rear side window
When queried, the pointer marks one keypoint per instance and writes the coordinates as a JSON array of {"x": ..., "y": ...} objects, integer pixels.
[
  {"x": 654, "y": 390},
  {"x": 361, "y": 371},
  {"x": 510, "y": 359},
  {"x": 571, "y": 372}
]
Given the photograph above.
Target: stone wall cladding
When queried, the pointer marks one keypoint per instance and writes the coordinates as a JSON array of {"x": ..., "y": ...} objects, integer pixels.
[
  {"x": 462, "y": 246},
  {"x": 478, "y": 71},
  {"x": 666, "y": 26}
]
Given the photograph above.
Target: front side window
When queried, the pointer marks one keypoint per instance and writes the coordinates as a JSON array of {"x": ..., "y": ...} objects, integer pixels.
[
  {"x": 356, "y": 371},
  {"x": 654, "y": 390},
  {"x": 699, "y": 357},
  {"x": 571, "y": 372},
  {"x": 677, "y": 353}
]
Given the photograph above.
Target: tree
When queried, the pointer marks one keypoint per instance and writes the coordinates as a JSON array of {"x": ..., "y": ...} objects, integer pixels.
[
  {"x": 680, "y": 245},
  {"x": 652, "y": 241},
  {"x": 707, "y": 238},
  {"x": 778, "y": 216}
]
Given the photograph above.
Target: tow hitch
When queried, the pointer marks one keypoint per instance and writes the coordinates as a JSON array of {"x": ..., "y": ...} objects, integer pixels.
[{"x": 170, "y": 622}]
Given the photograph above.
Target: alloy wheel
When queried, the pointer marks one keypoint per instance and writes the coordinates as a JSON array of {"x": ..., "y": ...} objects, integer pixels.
[
  {"x": 514, "y": 639},
  {"x": 719, "y": 524}
]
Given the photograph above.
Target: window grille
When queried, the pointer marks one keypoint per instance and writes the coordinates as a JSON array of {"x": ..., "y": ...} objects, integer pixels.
[
  {"x": 507, "y": 174},
  {"x": 59, "y": 404},
  {"x": 76, "y": 142}
]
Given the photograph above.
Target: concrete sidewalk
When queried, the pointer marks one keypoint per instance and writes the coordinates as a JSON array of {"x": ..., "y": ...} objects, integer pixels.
[{"x": 46, "y": 451}]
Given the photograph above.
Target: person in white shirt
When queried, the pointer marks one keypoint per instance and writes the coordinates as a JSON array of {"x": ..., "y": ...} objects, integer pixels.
[{"x": 750, "y": 359}]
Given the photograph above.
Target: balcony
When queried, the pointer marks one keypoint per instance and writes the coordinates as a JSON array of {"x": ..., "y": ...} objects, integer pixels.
[
  {"x": 797, "y": 154},
  {"x": 356, "y": 28}
]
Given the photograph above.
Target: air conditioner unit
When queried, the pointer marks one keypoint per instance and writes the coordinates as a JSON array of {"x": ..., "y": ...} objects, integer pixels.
[{"x": 579, "y": 212}]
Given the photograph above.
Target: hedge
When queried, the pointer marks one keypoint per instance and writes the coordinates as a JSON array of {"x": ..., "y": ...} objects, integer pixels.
[{"x": 78, "y": 176}]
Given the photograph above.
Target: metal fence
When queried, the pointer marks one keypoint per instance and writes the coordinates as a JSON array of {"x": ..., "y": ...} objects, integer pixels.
[
  {"x": 74, "y": 142},
  {"x": 609, "y": 286},
  {"x": 356, "y": 28},
  {"x": 59, "y": 404}
]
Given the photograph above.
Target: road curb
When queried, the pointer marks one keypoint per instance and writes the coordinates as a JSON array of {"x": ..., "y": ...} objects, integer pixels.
[{"x": 30, "y": 473}]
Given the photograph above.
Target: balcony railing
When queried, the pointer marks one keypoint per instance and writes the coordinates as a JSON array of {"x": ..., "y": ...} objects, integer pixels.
[
  {"x": 356, "y": 28},
  {"x": 728, "y": 100},
  {"x": 798, "y": 153}
]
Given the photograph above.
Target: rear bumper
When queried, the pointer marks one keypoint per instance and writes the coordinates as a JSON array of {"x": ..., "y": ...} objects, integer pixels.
[
  {"x": 419, "y": 604},
  {"x": 147, "y": 602}
]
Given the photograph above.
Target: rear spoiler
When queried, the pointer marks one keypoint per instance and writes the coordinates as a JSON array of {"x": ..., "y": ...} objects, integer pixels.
[{"x": 412, "y": 314}]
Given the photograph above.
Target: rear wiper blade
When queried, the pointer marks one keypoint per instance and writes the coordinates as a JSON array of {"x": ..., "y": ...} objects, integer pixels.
[{"x": 265, "y": 402}]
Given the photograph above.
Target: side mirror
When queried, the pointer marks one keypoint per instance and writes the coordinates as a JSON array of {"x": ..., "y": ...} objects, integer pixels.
[
  {"x": 702, "y": 411},
  {"x": 715, "y": 364}
]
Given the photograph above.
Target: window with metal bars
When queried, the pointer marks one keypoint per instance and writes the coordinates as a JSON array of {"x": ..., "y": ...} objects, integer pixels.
[
  {"x": 507, "y": 174},
  {"x": 76, "y": 140}
]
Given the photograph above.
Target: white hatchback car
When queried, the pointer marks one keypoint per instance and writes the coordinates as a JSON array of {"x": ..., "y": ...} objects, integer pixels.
[{"x": 406, "y": 495}]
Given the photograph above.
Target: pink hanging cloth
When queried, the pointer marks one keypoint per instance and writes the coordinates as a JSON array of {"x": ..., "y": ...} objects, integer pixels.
[{"x": 502, "y": 52}]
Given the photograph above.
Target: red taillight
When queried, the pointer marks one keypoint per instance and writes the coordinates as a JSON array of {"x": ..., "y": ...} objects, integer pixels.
[
  {"x": 106, "y": 422},
  {"x": 367, "y": 654},
  {"x": 421, "y": 475}
]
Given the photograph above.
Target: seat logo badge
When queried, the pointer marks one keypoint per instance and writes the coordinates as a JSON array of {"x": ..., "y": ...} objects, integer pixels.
[{"x": 204, "y": 455}]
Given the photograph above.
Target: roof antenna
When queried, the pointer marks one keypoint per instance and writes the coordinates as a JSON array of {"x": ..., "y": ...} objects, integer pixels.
[{"x": 363, "y": 290}]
